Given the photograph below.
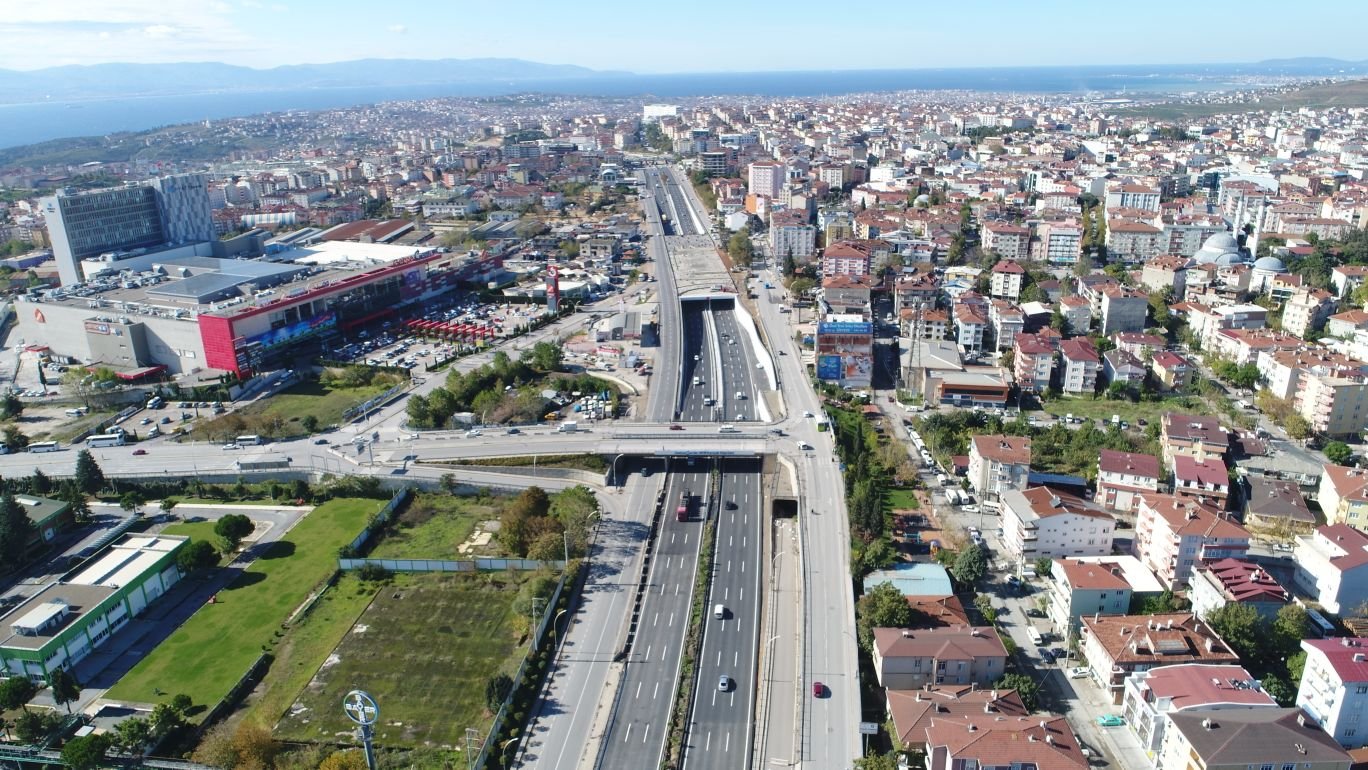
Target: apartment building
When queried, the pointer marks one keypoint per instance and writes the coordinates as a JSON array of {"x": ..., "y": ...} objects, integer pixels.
[
  {"x": 1042, "y": 522},
  {"x": 1123, "y": 310},
  {"x": 1077, "y": 312},
  {"x": 1007, "y": 320},
  {"x": 1334, "y": 405},
  {"x": 1059, "y": 243},
  {"x": 1032, "y": 363},
  {"x": 1134, "y": 241},
  {"x": 790, "y": 235},
  {"x": 1040, "y": 741},
  {"x": 915, "y": 291},
  {"x": 1116, "y": 646},
  {"x": 1240, "y": 739},
  {"x": 1123, "y": 367},
  {"x": 1122, "y": 477},
  {"x": 1006, "y": 280},
  {"x": 1235, "y": 581},
  {"x": 854, "y": 258},
  {"x": 914, "y": 712},
  {"x": 1332, "y": 568},
  {"x": 998, "y": 463},
  {"x": 1132, "y": 196},
  {"x": 1334, "y": 688},
  {"x": 1199, "y": 437},
  {"x": 1080, "y": 586},
  {"x": 971, "y": 321},
  {"x": 766, "y": 177},
  {"x": 1150, "y": 697},
  {"x": 1343, "y": 496},
  {"x": 1172, "y": 535},
  {"x": 1011, "y": 242},
  {"x": 1079, "y": 365},
  {"x": 1166, "y": 271},
  {"x": 907, "y": 659},
  {"x": 1172, "y": 371},
  {"x": 1346, "y": 278},
  {"x": 1307, "y": 310},
  {"x": 1205, "y": 481},
  {"x": 1276, "y": 506}
]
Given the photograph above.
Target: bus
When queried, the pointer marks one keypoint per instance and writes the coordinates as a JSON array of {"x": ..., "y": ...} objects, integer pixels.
[
  {"x": 250, "y": 440},
  {"x": 107, "y": 439},
  {"x": 682, "y": 512},
  {"x": 45, "y": 446}
]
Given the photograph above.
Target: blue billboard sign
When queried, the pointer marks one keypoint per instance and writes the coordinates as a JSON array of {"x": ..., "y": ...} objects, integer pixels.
[
  {"x": 845, "y": 327},
  {"x": 294, "y": 331},
  {"x": 828, "y": 367}
]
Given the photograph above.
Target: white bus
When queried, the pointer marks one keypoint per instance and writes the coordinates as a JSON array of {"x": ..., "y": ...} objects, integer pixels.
[
  {"x": 107, "y": 439},
  {"x": 45, "y": 446},
  {"x": 249, "y": 440}
]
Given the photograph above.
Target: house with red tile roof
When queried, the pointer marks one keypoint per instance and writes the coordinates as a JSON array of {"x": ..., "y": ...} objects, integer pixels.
[
  {"x": 912, "y": 711},
  {"x": 1343, "y": 495},
  {"x": 1236, "y": 739},
  {"x": 1197, "y": 436},
  {"x": 1172, "y": 370},
  {"x": 998, "y": 462},
  {"x": 1043, "y": 522},
  {"x": 1205, "y": 481},
  {"x": 1235, "y": 581},
  {"x": 1153, "y": 695},
  {"x": 1117, "y": 645},
  {"x": 1007, "y": 279},
  {"x": 1123, "y": 476},
  {"x": 1334, "y": 688},
  {"x": 1087, "y": 585},
  {"x": 1332, "y": 568},
  {"x": 1079, "y": 365},
  {"x": 1174, "y": 534},
  {"x": 906, "y": 658},
  {"x": 1042, "y": 742}
]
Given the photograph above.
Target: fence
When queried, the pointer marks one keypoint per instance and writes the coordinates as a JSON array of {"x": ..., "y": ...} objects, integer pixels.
[
  {"x": 438, "y": 565},
  {"x": 380, "y": 519},
  {"x": 375, "y": 403}
]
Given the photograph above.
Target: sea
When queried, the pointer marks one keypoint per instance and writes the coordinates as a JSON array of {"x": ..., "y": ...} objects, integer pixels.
[{"x": 39, "y": 121}]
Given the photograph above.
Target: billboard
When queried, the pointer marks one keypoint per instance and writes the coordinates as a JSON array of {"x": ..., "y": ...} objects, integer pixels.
[
  {"x": 292, "y": 332},
  {"x": 846, "y": 368},
  {"x": 828, "y": 368},
  {"x": 845, "y": 327}
]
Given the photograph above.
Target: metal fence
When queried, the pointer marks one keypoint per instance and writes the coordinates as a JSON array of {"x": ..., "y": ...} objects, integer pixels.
[
  {"x": 380, "y": 519},
  {"x": 438, "y": 565}
]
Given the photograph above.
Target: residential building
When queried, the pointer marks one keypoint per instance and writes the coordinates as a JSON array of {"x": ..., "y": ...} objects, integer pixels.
[
  {"x": 61, "y": 624},
  {"x": 1346, "y": 278},
  {"x": 998, "y": 463},
  {"x": 1307, "y": 310},
  {"x": 1134, "y": 241},
  {"x": 1334, "y": 688},
  {"x": 1080, "y": 586},
  {"x": 1334, "y": 403},
  {"x": 1332, "y": 568},
  {"x": 1043, "y": 522},
  {"x": 1132, "y": 196},
  {"x": 1205, "y": 481},
  {"x": 1138, "y": 344},
  {"x": 938, "y": 611},
  {"x": 1059, "y": 243},
  {"x": 971, "y": 321},
  {"x": 846, "y": 294},
  {"x": 1235, "y": 581},
  {"x": 1077, "y": 312},
  {"x": 847, "y": 258},
  {"x": 914, "y": 711},
  {"x": 1123, "y": 476},
  {"x": 1166, "y": 271},
  {"x": 1119, "y": 366},
  {"x": 1079, "y": 365},
  {"x": 1276, "y": 506},
  {"x": 1172, "y": 535},
  {"x": 1343, "y": 496},
  {"x": 766, "y": 177},
  {"x": 1008, "y": 320},
  {"x": 906, "y": 659},
  {"x": 1123, "y": 310},
  {"x": 1172, "y": 371},
  {"x": 926, "y": 324},
  {"x": 1240, "y": 739},
  {"x": 1007, "y": 241},
  {"x": 1347, "y": 324},
  {"x": 1032, "y": 363},
  {"x": 790, "y": 235},
  {"x": 1116, "y": 646},
  {"x": 1007, "y": 280},
  {"x": 1042, "y": 742},
  {"x": 1199, "y": 437},
  {"x": 914, "y": 292},
  {"x": 1151, "y": 696}
]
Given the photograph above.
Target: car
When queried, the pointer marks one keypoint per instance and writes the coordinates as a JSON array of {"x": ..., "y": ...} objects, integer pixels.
[
  {"x": 818, "y": 689},
  {"x": 724, "y": 683},
  {"x": 1048, "y": 655},
  {"x": 165, "y": 421},
  {"x": 782, "y": 353},
  {"x": 320, "y": 441},
  {"x": 676, "y": 426},
  {"x": 696, "y": 358},
  {"x": 1032, "y": 612},
  {"x": 731, "y": 505},
  {"x": 973, "y": 509},
  {"x": 807, "y": 414},
  {"x": 139, "y": 452},
  {"x": 1058, "y": 653},
  {"x": 1110, "y": 720},
  {"x": 513, "y": 431},
  {"x": 473, "y": 433},
  {"x": 145, "y": 421},
  {"x": 1078, "y": 672},
  {"x": 230, "y": 447}
]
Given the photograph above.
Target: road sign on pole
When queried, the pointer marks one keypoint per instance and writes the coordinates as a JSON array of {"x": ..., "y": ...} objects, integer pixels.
[{"x": 360, "y": 708}]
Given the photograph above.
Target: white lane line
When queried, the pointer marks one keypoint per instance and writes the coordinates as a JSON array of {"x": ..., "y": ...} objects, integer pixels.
[
  {"x": 671, "y": 623},
  {"x": 638, "y": 692},
  {"x": 645, "y": 732},
  {"x": 726, "y": 593},
  {"x": 736, "y": 659},
  {"x": 655, "y": 621},
  {"x": 656, "y": 693},
  {"x": 740, "y": 597},
  {"x": 719, "y": 657},
  {"x": 708, "y": 743},
  {"x": 729, "y": 565},
  {"x": 726, "y": 742},
  {"x": 664, "y": 649},
  {"x": 628, "y": 736},
  {"x": 648, "y": 652}
]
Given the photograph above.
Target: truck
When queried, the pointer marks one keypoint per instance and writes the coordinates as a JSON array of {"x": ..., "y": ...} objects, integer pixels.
[
  {"x": 568, "y": 426},
  {"x": 682, "y": 512}
]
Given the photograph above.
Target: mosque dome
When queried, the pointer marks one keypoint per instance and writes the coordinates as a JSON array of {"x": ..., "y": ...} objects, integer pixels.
[
  {"x": 1271, "y": 264},
  {"x": 1219, "y": 249}
]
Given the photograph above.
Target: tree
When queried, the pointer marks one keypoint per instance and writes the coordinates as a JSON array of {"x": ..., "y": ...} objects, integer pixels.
[
  {"x": 40, "y": 483},
  {"x": 195, "y": 556},
  {"x": 1338, "y": 452},
  {"x": 351, "y": 759},
  {"x": 984, "y": 604},
  {"x": 65, "y": 688},
  {"x": 1044, "y": 566},
  {"x": 182, "y": 703},
  {"x": 970, "y": 565},
  {"x": 1296, "y": 665},
  {"x": 888, "y": 761},
  {"x": 1026, "y": 688},
  {"x": 232, "y": 529},
  {"x": 15, "y": 439},
  {"x": 1290, "y": 626},
  {"x": 310, "y": 423},
  {"x": 545, "y": 357},
  {"x": 254, "y": 745},
  {"x": 16, "y": 692},
  {"x": 1280, "y": 690},
  {"x": 133, "y": 735},
  {"x": 1297, "y": 427},
  {"x": 89, "y": 477},
  {"x": 132, "y": 501},
  {"x": 496, "y": 689},
  {"x": 1239, "y": 625},
  {"x": 740, "y": 248},
  {"x": 11, "y": 407},
  {"x": 85, "y": 752},
  {"x": 883, "y": 606},
  {"x": 164, "y": 719},
  {"x": 16, "y": 531}
]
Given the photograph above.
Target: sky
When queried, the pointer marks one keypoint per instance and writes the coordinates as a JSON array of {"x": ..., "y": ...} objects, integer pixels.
[{"x": 649, "y": 36}]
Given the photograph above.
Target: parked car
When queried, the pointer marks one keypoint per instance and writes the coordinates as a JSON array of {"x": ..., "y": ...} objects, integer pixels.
[
  {"x": 1078, "y": 672},
  {"x": 1110, "y": 720}
]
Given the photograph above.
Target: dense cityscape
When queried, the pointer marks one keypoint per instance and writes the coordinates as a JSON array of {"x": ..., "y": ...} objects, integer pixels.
[{"x": 925, "y": 429}]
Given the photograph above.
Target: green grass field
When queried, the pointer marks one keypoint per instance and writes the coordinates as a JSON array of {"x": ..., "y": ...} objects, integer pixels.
[
  {"x": 901, "y": 500},
  {"x": 282, "y": 415},
  {"x": 424, "y": 649},
  {"x": 433, "y": 525},
  {"x": 1101, "y": 409},
  {"x": 207, "y": 655}
]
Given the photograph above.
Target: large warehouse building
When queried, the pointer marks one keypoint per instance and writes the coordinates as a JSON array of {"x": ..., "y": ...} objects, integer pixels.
[
  {"x": 63, "y": 623},
  {"x": 186, "y": 313}
]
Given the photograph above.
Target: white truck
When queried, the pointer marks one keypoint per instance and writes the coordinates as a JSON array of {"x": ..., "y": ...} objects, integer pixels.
[{"x": 568, "y": 427}]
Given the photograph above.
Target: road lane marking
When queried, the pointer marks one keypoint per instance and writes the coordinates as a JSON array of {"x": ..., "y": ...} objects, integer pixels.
[
  {"x": 726, "y": 743},
  {"x": 648, "y": 652},
  {"x": 628, "y": 736},
  {"x": 671, "y": 619},
  {"x": 719, "y": 657},
  {"x": 638, "y": 692},
  {"x": 656, "y": 693}
]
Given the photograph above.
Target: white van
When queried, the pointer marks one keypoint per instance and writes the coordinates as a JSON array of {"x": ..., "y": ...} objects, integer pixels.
[
  {"x": 1035, "y": 636},
  {"x": 740, "y": 396},
  {"x": 720, "y": 612},
  {"x": 728, "y": 428}
]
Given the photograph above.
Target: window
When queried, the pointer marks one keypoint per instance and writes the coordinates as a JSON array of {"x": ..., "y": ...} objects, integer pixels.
[{"x": 1361, "y": 689}]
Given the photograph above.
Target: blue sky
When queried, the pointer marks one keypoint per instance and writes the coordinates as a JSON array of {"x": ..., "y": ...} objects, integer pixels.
[{"x": 671, "y": 36}]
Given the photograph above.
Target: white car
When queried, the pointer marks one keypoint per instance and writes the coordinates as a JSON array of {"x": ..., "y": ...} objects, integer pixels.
[
  {"x": 473, "y": 433},
  {"x": 228, "y": 447},
  {"x": 1078, "y": 672},
  {"x": 807, "y": 414}
]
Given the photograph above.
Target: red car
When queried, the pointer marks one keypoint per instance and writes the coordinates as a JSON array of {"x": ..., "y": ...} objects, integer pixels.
[
  {"x": 676, "y": 426},
  {"x": 139, "y": 451},
  {"x": 818, "y": 689}
]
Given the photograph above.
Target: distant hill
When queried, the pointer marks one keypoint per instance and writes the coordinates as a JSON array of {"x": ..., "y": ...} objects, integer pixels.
[
  {"x": 103, "y": 81},
  {"x": 1348, "y": 93}
]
